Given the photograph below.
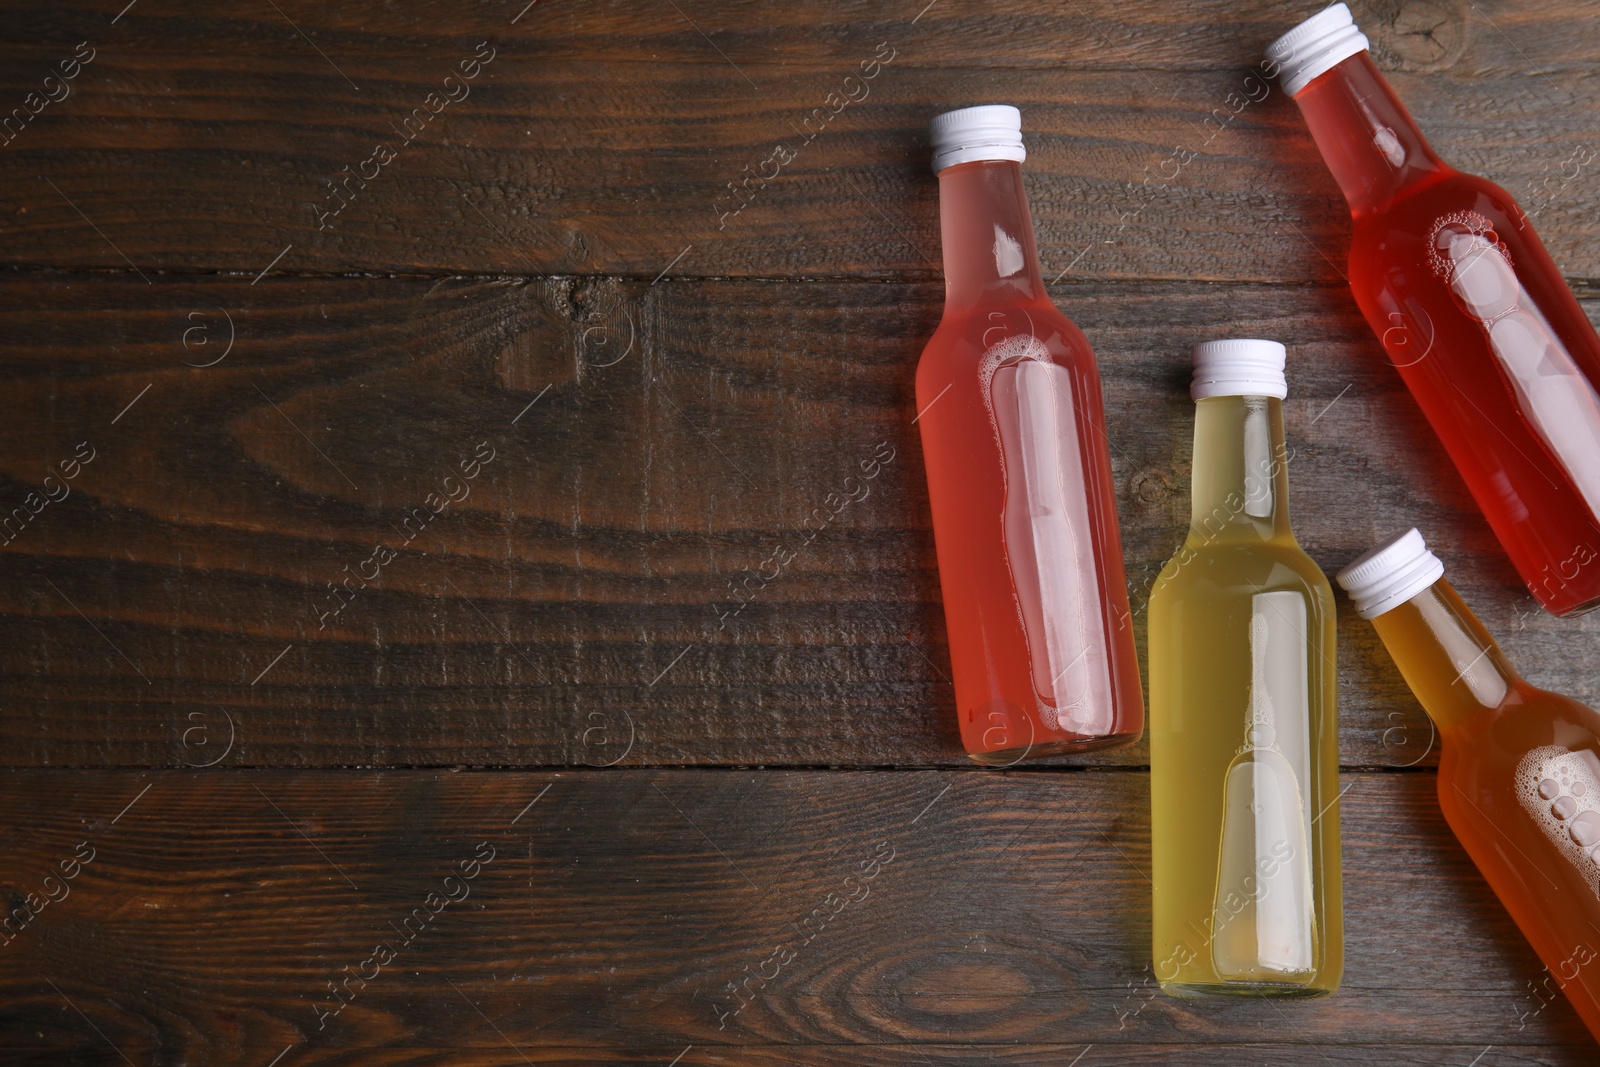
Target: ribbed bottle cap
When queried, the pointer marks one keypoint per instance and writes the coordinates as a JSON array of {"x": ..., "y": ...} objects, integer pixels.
[
  {"x": 1239, "y": 366},
  {"x": 1391, "y": 574},
  {"x": 1311, "y": 48},
  {"x": 991, "y": 131}
]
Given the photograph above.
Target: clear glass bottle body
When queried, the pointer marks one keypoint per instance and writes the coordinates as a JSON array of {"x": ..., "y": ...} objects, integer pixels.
[
  {"x": 1519, "y": 783},
  {"x": 1244, "y": 761},
  {"x": 1471, "y": 309},
  {"x": 1020, "y": 487}
]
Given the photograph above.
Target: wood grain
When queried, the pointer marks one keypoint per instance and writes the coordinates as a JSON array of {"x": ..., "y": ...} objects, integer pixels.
[
  {"x": 669, "y": 375},
  {"x": 602, "y": 138},
  {"x": 617, "y": 908},
  {"x": 584, "y": 591}
]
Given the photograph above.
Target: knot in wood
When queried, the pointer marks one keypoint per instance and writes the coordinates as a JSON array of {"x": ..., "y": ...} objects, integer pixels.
[{"x": 1424, "y": 35}]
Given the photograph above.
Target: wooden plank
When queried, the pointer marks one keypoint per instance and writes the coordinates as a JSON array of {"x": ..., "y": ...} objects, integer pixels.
[
  {"x": 603, "y": 138},
  {"x": 1006, "y": 913},
  {"x": 583, "y": 593},
  {"x": 891, "y": 1055}
]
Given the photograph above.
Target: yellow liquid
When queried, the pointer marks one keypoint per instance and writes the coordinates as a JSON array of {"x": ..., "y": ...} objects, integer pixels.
[{"x": 1244, "y": 763}]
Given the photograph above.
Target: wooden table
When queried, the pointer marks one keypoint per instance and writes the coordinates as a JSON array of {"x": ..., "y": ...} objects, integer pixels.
[{"x": 378, "y": 681}]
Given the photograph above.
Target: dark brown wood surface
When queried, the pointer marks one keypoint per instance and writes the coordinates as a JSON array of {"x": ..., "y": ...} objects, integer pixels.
[
  {"x": 954, "y": 917},
  {"x": 652, "y": 378},
  {"x": 583, "y": 591},
  {"x": 601, "y": 137}
]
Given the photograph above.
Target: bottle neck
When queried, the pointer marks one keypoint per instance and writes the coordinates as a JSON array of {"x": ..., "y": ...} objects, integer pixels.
[
  {"x": 1368, "y": 138},
  {"x": 987, "y": 233},
  {"x": 1241, "y": 470},
  {"x": 1448, "y": 659}
]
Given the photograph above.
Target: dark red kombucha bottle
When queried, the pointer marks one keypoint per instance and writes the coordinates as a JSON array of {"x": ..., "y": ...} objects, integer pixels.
[{"x": 1471, "y": 309}]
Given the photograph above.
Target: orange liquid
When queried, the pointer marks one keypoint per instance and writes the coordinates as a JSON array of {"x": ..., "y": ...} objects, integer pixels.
[
  {"x": 1019, "y": 481},
  {"x": 1480, "y": 323},
  {"x": 1519, "y": 783}
]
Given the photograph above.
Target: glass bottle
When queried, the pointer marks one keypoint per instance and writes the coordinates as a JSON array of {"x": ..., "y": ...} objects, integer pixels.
[
  {"x": 1470, "y": 308},
  {"x": 1519, "y": 768},
  {"x": 1244, "y": 757},
  {"x": 1019, "y": 475}
]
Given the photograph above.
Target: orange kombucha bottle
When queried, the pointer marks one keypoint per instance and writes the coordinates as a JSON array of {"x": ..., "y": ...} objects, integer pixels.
[{"x": 1519, "y": 767}]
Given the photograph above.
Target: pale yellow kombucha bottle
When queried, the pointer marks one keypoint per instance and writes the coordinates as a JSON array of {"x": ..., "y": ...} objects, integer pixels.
[{"x": 1244, "y": 759}]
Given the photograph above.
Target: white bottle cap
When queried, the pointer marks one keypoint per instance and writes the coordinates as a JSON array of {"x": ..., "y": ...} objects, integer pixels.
[
  {"x": 1391, "y": 574},
  {"x": 1313, "y": 47},
  {"x": 992, "y": 131},
  {"x": 1239, "y": 366}
]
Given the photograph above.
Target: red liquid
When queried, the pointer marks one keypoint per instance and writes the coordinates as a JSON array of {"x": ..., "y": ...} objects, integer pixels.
[
  {"x": 1469, "y": 306},
  {"x": 1019, "y": 479}
]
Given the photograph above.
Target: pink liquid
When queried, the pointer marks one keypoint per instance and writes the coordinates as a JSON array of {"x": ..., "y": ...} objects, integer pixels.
[
  {"x": 1484, "y": 330},
  {"x": 1019, "y": 479}
]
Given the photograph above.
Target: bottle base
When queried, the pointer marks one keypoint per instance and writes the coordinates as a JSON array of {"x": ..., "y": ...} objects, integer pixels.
[
  {"x": 1582, "y": 608},
  {"x": 1279, "y": 990},
  {"x": 1007, "y": 757}
]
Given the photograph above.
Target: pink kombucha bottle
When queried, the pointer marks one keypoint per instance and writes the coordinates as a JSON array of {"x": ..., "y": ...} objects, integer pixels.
[{"x": 1019, "y": 475}]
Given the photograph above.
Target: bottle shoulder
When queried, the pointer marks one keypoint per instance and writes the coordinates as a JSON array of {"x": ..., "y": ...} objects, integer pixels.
[
  {"x": 1207, "y": 565},
  {"x": 1527, "y": 720},
  {"x": 1417, "y": 211},
  {"x": 1035, "y": 329}
]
